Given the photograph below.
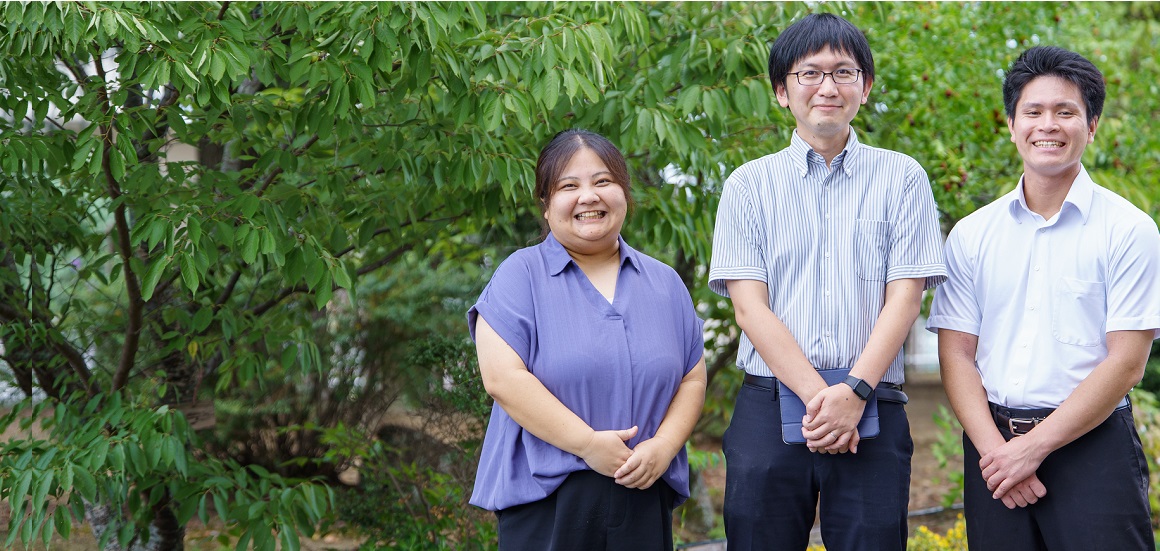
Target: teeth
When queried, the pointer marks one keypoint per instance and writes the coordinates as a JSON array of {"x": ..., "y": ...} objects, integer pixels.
[
  {"x": 589, "y": 215},
  {"x": 1047, "y": 144}
]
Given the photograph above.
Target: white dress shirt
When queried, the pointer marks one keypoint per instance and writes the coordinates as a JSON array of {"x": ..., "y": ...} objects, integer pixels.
[{"x": 1041, "y": 295}]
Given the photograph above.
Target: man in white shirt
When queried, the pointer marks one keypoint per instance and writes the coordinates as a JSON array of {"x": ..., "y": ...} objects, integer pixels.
[{"x": 1045, "y": 323}]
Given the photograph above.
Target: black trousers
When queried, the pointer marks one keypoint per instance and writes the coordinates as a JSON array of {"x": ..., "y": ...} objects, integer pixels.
[
  {"x": 591, "y": 512},
  {"x": 1097, "y": 495},
  {"x": 774, "y": 489}
]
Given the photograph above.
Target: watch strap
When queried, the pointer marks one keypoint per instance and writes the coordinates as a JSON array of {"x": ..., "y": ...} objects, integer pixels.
[{"x": 861, "y": 388}]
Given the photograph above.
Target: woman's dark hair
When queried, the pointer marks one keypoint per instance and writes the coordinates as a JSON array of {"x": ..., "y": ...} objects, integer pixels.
[
  {"x": 812, "y": 34},
  {"x": 555, "y": 156},
  {"x": 1054, "y": 61}
]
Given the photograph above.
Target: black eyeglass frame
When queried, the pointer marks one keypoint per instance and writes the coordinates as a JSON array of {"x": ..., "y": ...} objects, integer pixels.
[{"x": 797, "y": 75}]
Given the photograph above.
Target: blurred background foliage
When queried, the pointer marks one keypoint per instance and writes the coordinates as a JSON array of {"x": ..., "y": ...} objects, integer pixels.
[{"x": 353, "y": 174}]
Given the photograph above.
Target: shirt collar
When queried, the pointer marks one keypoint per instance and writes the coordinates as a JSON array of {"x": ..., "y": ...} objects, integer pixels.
[
  {"x": 801, "y": 152},
  {"x": 1079, "y": 197},
  {"x": 558, "y": 258}
]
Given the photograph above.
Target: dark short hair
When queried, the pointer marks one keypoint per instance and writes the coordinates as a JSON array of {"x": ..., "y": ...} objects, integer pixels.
[
  {"x": 555, "y": 156},
  {"x": 812, "y": 34},
  {"x": 1041, "y": 61}
]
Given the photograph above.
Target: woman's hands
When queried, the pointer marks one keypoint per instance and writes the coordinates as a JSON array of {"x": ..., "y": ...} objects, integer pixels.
[
  {"x": 638, "y": 468},
  {"x": 649, "y": 460},
  {"x": 606, "y": 452}
]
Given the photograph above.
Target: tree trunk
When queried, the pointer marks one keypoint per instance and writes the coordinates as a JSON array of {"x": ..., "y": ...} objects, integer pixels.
[{"x": 165, "y": 534}]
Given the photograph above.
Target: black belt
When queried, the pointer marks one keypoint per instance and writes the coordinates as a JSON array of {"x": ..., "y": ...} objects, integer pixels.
[
  {"x": 891, "y": 392},
  {"x": 1021, "y": 421}
]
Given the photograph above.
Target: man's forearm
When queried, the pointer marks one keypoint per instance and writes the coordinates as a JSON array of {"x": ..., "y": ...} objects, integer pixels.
[
  {"x": 1099, "y": 394},
  {"x": 772, "y": 339},
  {"x": 901, "y": 308},
  {"x": 964, "y": 388}
]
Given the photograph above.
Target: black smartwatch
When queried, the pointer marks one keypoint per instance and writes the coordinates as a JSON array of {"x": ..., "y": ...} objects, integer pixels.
[{"x": 861, "y": 389}]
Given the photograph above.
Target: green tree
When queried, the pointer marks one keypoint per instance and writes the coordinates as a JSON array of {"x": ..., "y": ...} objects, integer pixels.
[{"x": 336, "y": 141}]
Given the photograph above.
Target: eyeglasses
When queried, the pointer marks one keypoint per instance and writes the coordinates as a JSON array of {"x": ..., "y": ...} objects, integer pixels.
[{"x": 814, "y": 78}]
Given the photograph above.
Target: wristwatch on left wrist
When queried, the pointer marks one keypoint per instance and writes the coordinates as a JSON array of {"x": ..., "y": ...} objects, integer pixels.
[{"x": 861, "y": 389}]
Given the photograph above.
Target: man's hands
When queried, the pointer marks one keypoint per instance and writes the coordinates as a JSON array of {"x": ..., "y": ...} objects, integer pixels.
[
  {"x": 831, "y": 421},
  {"x": 1009, "y": 470},
  {"x": 1024, "y": 493}
]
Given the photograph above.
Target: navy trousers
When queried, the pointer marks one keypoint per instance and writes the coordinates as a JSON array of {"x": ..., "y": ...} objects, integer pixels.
[
  {"x": 591, "y": 512},
  {"x": 1097, "y": 496},
  {"x": 774, "y": 489}
]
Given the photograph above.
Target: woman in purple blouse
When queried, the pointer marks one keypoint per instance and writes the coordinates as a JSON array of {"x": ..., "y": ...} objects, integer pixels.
[{"x": 594, "y": 355}]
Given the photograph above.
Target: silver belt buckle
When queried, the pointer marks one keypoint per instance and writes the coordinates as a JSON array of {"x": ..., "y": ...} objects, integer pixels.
[{"x": 1022, "y": 426}]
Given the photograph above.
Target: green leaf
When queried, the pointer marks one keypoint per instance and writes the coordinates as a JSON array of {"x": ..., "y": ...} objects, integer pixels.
[
  {"x": 153, "y": 276},
  {"x": 217, "y": 66},
  {"x": 202, "y": 319},
  {"x": 289, "y": 355},
  {"x": 63, "y": 521},
  {"x": 43, "y": 485},
  {"x": 85, "y": 484},
  {"x": 250, "y": 247},
  {"x": 193, "y": 230},
  {"x": 189, "y": 273}
]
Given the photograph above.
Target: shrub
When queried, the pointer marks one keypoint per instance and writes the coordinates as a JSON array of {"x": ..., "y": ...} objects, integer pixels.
[{"x": 954, "y": 540}]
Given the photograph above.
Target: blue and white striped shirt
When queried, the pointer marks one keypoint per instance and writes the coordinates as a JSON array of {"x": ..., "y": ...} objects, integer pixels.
[{"x": 826, "y": 242}]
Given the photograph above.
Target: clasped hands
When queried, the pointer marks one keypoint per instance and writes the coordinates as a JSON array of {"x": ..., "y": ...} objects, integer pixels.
[
  {"x": 831, "y": 421},
  {"x": 1009, "y": 471},
  {"x": 638, "y": 467}
]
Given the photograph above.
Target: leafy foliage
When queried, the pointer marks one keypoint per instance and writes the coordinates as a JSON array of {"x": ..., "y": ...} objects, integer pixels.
[{"x": 340, "y": 145}]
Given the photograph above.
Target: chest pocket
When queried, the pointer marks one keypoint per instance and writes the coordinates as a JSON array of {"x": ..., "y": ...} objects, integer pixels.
[
  {"x": 870, "y": 243},
  {"x": 1077, "y": 311}
]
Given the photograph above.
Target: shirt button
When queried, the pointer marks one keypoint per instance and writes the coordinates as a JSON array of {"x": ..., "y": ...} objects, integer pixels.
[
  {"x": 1037, "y": 268},
  {"x": 827, "y": 216},
  {"x": 827, "y": 333},
  {"x": 827, "y": 293},
  {"x": 827, "y": 255},
  {"x": 1032, "y": 307}
]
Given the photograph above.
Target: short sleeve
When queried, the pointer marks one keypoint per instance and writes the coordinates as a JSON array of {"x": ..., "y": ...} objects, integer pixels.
[
  {"x": 916, "y": 249},
  {"x": 737, "y": 239},
  {"x": 955, "y": 306},
  {"x": 1134, "y": 281},
  {"x": 506, "y": 303},
  {"x": 694, "y": 329}
]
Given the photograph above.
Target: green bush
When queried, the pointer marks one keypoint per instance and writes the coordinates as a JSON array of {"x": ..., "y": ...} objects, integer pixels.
[
  {"x": 417, "y": 508},
  {"x": 416, "y": 478},
  {"x": 948, "y": 446},
  {"x": 1146, "y": 412}
]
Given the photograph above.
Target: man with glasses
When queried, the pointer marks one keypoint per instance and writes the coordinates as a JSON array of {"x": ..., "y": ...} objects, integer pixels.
[
  {"x": 825, "y": 249},
  {"x": 1044, "y": 325}
]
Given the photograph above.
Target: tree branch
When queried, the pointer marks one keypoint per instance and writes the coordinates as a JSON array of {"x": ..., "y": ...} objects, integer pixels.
[
  {"x": 302, "y": 288},
  {"x": 55, "y": 341},
  {"x": 228, "y": 291},
  {"x": 135, "y": 306},
  {"x": 277, "y": 171}
]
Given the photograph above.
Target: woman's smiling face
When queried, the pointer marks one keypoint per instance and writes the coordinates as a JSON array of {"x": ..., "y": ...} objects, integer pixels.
[{"x": 587, "y": 207}]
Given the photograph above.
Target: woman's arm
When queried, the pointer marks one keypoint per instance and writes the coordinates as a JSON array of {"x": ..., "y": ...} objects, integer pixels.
[
  {"x": 538, "y": 411},
  {"x": 651, "y": 458}
]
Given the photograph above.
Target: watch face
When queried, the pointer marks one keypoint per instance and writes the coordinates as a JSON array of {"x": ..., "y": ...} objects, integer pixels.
[
  {"x": 863, "y": 389},
  {"x": 860, "y": 387}
]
